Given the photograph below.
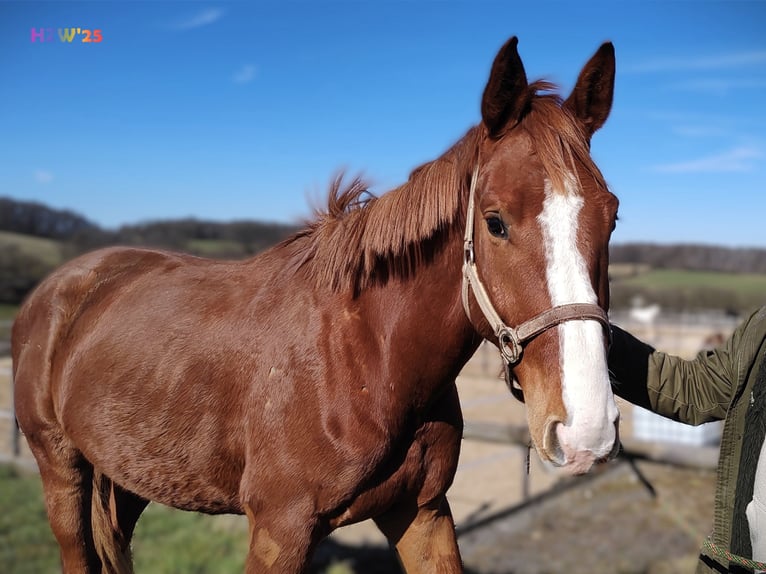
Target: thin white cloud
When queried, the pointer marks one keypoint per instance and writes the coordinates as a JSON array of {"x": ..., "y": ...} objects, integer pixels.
[
  {"x": 699, "y": 131},
  {"x": 702, "y": 123},
  {"x": 718, "y": 86},
  {"x": 245, "y": 74},
  {"x": 198, "y": 20},
  {"x": 716, "y": 62},
  {"x": 43, "y": 176},
  {"x": 739, "y": 159}
]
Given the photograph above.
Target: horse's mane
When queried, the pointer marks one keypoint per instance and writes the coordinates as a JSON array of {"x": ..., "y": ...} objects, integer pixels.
[{"x": 360, "y": 238}]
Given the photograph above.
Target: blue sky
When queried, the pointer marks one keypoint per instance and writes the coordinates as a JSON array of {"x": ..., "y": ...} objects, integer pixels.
[{"x": 245, "y": 110}]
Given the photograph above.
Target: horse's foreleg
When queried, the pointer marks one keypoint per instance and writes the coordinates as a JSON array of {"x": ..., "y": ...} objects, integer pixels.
[
  {"x": 281, "y": 540},
  {"x": 424, "y": 537},
  {"x": 420, "y": 524}
]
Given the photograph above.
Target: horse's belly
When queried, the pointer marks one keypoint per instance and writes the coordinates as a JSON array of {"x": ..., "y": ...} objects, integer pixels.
[
  {"x": 187, "y": 462},
  {"x": 176, "y": 480}
]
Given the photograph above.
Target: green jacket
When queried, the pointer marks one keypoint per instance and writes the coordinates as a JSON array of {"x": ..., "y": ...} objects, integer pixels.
[{"x": 727, "y": 383}]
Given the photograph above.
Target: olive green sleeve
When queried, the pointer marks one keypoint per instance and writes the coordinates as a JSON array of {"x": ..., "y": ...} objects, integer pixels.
[{"x": 691, "y": 391}]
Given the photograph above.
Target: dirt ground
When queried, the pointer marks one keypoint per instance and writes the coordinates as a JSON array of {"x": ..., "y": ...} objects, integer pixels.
[
  {"x": 605, "y": 524},
  {"x": 610, "y": 524}
]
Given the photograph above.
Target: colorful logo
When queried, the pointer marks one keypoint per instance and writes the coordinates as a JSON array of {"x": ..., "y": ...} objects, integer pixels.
[{"x": 65, "y": 35}]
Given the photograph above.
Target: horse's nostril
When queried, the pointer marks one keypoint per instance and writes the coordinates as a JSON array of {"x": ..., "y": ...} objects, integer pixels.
[{"x": 552, "y": 444}]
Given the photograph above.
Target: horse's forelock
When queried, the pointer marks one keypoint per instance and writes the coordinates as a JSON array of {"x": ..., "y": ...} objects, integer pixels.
[{"x": 560, "y": 141}]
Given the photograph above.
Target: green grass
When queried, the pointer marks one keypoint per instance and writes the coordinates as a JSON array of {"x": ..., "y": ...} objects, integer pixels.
[
  {"x": 690, "y": 290},
  {"x": 48, "y": 251},
  {"x": 168, "y": 541},
  {"x": 744, "y": 283},
  {"x": 8, "y": 311},
  {"x": 26, "y": 542}
]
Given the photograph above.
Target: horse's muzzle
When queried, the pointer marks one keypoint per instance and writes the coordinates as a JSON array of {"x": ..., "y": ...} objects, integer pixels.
[{"x": 567, "y": 448}]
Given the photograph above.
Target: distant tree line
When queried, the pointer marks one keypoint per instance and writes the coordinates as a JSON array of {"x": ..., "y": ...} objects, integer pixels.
[{"x": 36, "y": 219}]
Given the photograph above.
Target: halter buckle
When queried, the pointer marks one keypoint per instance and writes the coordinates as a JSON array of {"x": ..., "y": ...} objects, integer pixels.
[{"x": 510, "y": 346}]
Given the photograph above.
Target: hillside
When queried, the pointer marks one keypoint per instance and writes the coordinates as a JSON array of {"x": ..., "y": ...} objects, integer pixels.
[
  {"x": 35, "y": 239},
  {"x": 688, "y": 277}
]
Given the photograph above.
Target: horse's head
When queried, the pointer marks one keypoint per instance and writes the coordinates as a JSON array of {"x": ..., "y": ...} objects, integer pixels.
[{"x": 542, "y": 217}]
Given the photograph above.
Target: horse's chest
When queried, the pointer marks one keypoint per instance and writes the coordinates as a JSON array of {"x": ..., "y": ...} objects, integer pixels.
[{"x": 420, "y": 468}]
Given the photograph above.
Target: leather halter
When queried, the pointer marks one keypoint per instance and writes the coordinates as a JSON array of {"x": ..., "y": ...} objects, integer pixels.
[{"x": 511, "y": 340}]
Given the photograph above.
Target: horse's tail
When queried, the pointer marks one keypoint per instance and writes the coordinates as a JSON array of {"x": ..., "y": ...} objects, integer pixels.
[{"x": 107, "y": 537}]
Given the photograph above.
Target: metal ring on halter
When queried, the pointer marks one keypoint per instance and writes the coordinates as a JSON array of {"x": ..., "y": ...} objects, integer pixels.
[
  {"x": 469, "y": 256},
  {"x": 510, "y": 346}
]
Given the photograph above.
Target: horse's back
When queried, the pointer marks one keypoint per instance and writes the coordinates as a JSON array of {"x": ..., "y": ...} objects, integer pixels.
[
  {"x": 54, "y": 307},
  {"x": 105, "y": 349},
  {"x": 50, "y": 311}
]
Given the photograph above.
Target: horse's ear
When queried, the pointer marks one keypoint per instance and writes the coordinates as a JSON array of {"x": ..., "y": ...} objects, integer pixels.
[
  {"x": 591, "y": 98},
  {"x": 506, "y": 94}
]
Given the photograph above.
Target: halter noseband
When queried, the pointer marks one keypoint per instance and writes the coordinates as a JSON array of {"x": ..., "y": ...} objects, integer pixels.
[{"x": 511, "y": 340}]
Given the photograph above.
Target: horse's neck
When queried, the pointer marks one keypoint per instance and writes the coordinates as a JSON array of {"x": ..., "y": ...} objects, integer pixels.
[{"x": 431, "y": 336}]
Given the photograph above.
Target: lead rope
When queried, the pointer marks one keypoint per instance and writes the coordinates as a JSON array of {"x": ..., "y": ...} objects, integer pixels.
[
  {"x": 732, "y": 558},
  {"x": 711, "y": 547}
]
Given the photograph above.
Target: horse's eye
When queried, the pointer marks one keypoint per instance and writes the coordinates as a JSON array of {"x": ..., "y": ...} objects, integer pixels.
[{"x": 496, "y": 227}]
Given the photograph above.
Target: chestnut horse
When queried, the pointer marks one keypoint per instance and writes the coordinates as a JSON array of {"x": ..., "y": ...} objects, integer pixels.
[{"x": 313, "y": 386}]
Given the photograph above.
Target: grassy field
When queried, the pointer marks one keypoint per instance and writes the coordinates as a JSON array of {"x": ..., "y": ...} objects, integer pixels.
[
  {"x": 690, "y": 290},
  {"x": 166, "y": 541},
  {"x": 744, "y": 283},
  {"x": 672, "y": 288},
  {"x": 26, "y": 542},
  {"x": 7, "y": 313}
]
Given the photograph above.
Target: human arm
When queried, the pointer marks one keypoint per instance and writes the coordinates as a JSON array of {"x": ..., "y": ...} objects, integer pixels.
[{"x": 691, "y": 391}]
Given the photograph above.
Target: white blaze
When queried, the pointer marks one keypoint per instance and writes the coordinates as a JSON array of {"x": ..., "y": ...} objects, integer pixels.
[{"x": 587, "y": 395}]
